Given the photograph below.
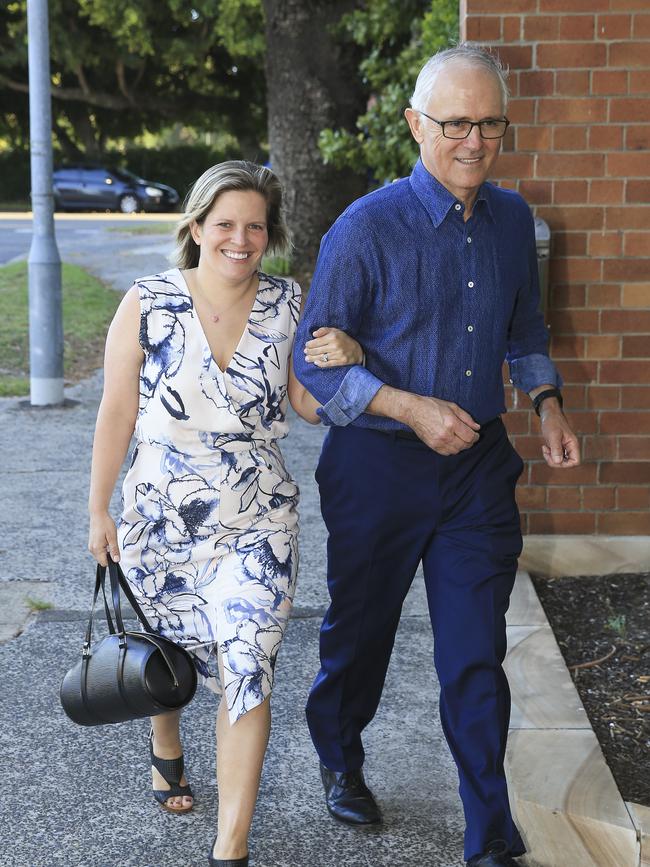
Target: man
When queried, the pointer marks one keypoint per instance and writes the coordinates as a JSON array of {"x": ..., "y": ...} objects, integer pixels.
[{"x": 436, "y": 276}]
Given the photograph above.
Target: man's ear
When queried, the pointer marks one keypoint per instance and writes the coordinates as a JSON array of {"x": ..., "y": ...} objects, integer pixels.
[{"x": 414, "y": 120}]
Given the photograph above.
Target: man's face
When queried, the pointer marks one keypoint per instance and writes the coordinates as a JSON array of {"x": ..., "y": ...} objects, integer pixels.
[{"x": 460, "y": 93}]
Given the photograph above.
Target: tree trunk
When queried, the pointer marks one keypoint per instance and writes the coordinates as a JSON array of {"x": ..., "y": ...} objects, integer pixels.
[{"x": 312, "y": 82}]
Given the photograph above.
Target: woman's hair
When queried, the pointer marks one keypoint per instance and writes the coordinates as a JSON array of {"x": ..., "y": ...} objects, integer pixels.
[
  {"x": 239, "y": 175},
  {"x": 467, "y": 54}
]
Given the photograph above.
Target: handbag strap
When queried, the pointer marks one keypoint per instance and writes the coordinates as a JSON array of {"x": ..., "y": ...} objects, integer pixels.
[{"x": 119, "y": 581}]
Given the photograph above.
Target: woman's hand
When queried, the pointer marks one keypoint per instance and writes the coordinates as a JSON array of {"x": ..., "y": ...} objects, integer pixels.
[
  {"x": 102, "y": 538},
  {"x": 331, "y": 347}
]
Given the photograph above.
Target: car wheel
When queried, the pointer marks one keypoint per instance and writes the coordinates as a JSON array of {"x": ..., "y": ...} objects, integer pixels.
[{"x": 129, "y": 204}]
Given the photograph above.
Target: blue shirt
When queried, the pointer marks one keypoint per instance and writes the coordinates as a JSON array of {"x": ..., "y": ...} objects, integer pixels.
[{"x": 437, "y": 303}]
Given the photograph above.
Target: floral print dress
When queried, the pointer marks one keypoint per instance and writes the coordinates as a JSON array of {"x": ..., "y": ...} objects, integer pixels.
[{"x": 208, "y": 531}]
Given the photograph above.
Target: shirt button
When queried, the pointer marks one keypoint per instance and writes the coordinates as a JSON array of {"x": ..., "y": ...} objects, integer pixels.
[
  {"x": 471, "y": 284},
  {"x": 469, "y": 240},
  {"x": 468, "y": 373},
  {"x": 470, "y": 328},
  {"x": 458, "y": 207}
]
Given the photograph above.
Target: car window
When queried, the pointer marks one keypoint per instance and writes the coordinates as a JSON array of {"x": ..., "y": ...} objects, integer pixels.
[
  {"x": 98, "y": 176},
  {"x": 68, "y": 175},
  {"x": 127, "y": 176}
]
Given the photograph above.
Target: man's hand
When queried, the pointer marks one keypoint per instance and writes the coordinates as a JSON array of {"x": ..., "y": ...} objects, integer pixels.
[
  {"x": 560, "y": 449},
  {"x": 443, "y": 426}
]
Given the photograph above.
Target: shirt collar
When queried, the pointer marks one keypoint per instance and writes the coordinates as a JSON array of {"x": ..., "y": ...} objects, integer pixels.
[{"x": 437, "y": 199}]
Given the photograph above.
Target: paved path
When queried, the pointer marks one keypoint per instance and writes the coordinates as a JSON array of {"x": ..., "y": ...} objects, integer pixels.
[{"x": 72, "y": 796}]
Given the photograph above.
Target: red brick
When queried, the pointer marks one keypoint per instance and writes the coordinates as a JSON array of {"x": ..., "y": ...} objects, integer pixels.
[
  {"x": 570, "y": 138},
  {"x": 569, "y": 244},
  {"x": 631, "y": 448},
  {"x": 624, "y": 523},
  {"x": 599, "y": 448},
  {"x": 608, "y": 81},
  {"x": 570, "y": 166},
  {"x": 575, "y": 270},
  {"x": 522, "y": 111},
  {"x": 582, "y": 422},
  {"x": 635, "y": 397},
  {"x": 605, "y": 138},
  {"x": 574, "y": 321},
  {"x": 563, "y": 498},
  {"x": 570, "y": 193},
  {"x": 579, "y": 371},
  {"x": 628, "y": 5},
  {"x": 567, "y": 347},
  {"x": 571, "y": 5},
  {"x": 574, "y": 396},
  {"x": 637, "y": 191},
  {"x": 629, "y": 110},
  {"x": 503, "y": 6},
  {"x": 604, "y": 295},
  {"x": 625, "y": 321},
  {"x": 637, "y": 137},
  {"x": 626, "y": 269},
  {"x": 630, "y": 217},
  {"x": 541, "y": 28},
  {"x": 567, "y": 296},
  {"x": 628, "y": 54},
  {"x": 516, "y": 56},
  {"x": 629, "y": 472},
  {"x": 625, "y": 371},
  {"x": 603, "y": 396},
  {"x": 571, "y": 55},
  {"x": 635, "y": 294},
  {"x": 613, "y": 26},
  {"x": 641, "y": 27},
  {"x": 633, "y": 498},
  {"x": 577, "y": 26},
  {"x": 598, "y": 498},
  {"x": 511, "y": 29},
  {"x": 603, "y": 346},
  {"x": 515, "y": 165},
  {"x": 629, "y": 165},
  {"x": 605, "y": 243},
  {"x": 637, "y": 244},
  {"x": 483, "y": 28},
  {"x": 531, "y": 497},
  {"x": 625, "y": 422},
  {"x": 572, "y": 217},
  {"x": 534, "y": 138},
  {"x": 571, "y": 83},
  {"x": 528, "y": 448},
  {"x": 536, "y": 83},
  {"x": 562, "y": 522},
  {"x": 639, "y": 81},
  {"x": 517, "y": 422},
  {"x": 606, "y": 192},
  {"x": 536, "y": 192},
  {"x": 636, "y": 346},
  {"x": 580, "y": 110}
]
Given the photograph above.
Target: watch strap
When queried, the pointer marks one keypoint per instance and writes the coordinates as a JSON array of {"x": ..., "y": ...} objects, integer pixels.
[{"x": 548, "y": 392}]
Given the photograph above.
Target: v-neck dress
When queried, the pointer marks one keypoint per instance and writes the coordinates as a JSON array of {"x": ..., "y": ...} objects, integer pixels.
[{"x": 209, "y": 527}]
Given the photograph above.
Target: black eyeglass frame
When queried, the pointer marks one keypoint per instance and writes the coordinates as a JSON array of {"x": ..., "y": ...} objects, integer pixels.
[{"x": 472, "y": 123}]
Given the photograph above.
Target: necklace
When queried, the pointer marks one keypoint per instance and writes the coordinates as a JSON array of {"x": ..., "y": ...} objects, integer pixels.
[{"x": 216, "y": 315}]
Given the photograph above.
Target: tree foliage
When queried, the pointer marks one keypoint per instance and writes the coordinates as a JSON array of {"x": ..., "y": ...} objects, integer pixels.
[
  {"x": 397, "y": 38},
  {"x": 120, "y": 67}
]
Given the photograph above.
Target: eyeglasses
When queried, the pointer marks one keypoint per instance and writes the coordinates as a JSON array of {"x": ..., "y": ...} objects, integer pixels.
[{"x": 491, "y": 128}]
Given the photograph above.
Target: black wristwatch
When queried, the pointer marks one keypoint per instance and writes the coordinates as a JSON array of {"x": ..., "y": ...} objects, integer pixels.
[{"x": 548, "y": 392}]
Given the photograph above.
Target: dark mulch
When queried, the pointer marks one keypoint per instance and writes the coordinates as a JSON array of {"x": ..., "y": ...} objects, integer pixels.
[{"x": 602, "y": 625}]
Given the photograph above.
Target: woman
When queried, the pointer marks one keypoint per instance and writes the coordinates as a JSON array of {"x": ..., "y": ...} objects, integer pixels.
[{"x": 198, "y": 365}]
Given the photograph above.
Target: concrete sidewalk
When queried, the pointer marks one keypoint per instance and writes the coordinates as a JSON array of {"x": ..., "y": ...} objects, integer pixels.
[{"x": 74, "y": 796}]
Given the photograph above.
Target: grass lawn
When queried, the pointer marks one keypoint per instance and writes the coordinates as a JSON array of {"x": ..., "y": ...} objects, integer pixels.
[
  {"x": 88, "y": 307},
  {"x": 144, "y": 229}
]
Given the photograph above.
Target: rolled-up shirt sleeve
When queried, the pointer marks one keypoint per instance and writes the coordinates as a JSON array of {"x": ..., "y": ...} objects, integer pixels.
[
  {"x": 338, "y": 296},
  {"x": 528, "y": 359}
]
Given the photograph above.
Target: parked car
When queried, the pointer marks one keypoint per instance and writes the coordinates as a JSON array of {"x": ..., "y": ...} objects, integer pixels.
[{"x": 97, "y": 188}]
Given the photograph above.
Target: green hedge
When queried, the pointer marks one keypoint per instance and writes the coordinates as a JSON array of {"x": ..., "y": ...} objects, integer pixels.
[{"x": 14, "y": 176}]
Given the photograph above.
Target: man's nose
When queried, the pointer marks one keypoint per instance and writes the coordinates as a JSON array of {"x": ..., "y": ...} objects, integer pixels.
[{"x": 474, "y": 139}]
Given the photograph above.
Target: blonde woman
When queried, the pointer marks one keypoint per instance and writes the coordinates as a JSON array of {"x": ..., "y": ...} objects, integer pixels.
[{"x": 198, "y": 367}]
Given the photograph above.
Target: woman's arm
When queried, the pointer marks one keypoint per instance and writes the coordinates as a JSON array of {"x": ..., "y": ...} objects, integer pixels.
[
  {"x": 301, "y": 400},
  {"x": 115, "y": 422}
]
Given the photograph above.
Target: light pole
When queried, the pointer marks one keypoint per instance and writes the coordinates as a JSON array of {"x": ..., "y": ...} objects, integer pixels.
[{"x": 44, "y": 263}]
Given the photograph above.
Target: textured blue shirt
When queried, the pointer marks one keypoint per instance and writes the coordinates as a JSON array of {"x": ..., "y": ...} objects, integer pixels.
[{"x": 437, "y": 303}]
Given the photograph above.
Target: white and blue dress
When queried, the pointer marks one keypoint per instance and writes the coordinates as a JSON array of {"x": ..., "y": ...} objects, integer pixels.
[{"x": 209, "y": 528}]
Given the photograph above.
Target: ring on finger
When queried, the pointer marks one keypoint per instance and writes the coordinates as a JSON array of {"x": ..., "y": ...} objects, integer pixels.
[{"x": 325, "y": 357}]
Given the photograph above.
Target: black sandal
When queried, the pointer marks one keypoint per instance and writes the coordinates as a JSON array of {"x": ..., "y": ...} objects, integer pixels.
[
  {"x": 171, "y": 770},
  {"x": 228, "y": 862}
]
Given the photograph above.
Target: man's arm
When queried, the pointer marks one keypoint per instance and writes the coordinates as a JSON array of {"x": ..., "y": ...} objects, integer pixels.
[{"x": 560, "y": 449}]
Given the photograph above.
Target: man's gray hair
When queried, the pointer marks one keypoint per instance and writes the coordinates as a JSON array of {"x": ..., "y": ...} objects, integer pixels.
[{"x": 467, "y": 54}]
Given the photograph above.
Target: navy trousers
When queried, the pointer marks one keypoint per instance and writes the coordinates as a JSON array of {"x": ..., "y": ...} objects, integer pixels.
[{"x": 388, "y": 504}]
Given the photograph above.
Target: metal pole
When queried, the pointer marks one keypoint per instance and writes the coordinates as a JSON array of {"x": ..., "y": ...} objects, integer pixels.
[{"x": 45, "y": 310}]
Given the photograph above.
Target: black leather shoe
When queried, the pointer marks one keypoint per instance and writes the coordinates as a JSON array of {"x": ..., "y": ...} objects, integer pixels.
[
  {"x": 348, "y": 798},
  {"x": 497, "y": 854}
]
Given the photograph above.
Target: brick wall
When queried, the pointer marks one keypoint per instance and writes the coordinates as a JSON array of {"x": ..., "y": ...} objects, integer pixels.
[{"x": 579, "y": 153}]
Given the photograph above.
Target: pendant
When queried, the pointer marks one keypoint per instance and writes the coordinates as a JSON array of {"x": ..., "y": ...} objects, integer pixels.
[{"x": 215, "y": 317}]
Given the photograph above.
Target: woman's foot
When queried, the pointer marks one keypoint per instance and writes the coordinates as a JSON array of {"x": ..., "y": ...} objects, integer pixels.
[
  {"x": 168, "y": 776},
  {"x": 227, "y": 852}
]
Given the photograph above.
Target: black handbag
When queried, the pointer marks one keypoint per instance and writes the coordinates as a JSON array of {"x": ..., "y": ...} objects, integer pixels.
[{"x": 126, "y": 675}]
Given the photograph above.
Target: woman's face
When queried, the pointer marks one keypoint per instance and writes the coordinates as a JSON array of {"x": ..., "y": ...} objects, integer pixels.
[{"x": 234, "y": 235}]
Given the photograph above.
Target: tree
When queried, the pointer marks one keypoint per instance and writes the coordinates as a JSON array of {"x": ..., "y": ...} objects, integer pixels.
[{"x": 397, "y": 38}]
